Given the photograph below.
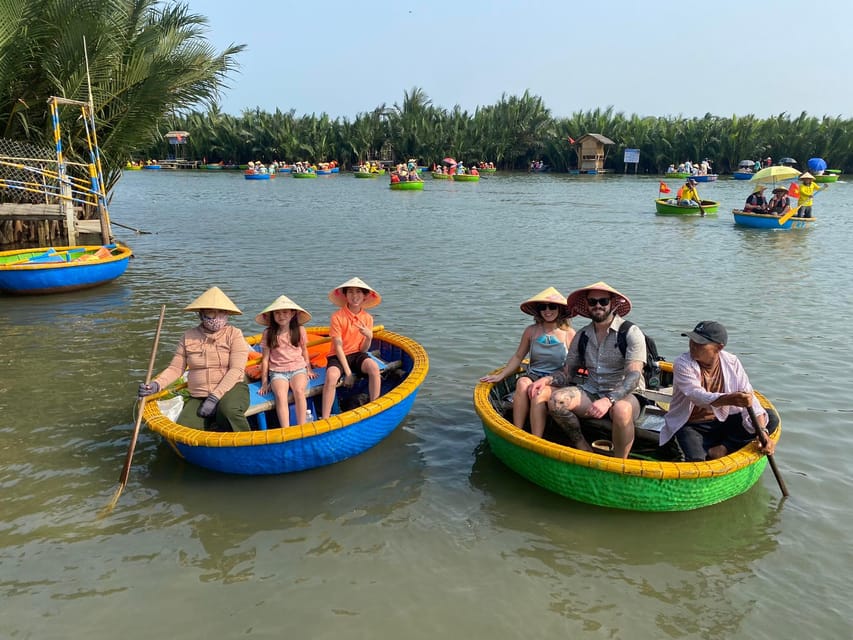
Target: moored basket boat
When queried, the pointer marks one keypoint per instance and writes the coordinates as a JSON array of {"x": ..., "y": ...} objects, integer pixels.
[
  {"x": 61, "y": 269},
  {"x": 270, "y": 449},
  {"x": 664, "y": 207},
  {"x": 414, "y": 185},
  {"x": 633, "y": 484},
  {"x": 769, "y": 221}
]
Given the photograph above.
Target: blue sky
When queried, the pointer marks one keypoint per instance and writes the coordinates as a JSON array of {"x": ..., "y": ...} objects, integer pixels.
[{"x": 652, "y": 58}]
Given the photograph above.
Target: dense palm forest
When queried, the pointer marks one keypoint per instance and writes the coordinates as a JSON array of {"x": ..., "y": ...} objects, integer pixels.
[
  {"x": 511, "y": 133},
  {"x": 152, "y": 70}
]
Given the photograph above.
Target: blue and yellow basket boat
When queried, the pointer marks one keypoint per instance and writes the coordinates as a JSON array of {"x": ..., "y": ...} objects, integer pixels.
[
  {"x": 269, "y": 449},
  {"x": 61, "y": 269}
]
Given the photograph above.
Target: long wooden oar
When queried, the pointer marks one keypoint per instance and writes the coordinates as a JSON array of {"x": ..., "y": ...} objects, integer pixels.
[
  {"x": 762, "y": 438},
  {"x": 124, "y": 226},
  {"x": 125, "y": 472},
  {"x": 699, "y": 200}
]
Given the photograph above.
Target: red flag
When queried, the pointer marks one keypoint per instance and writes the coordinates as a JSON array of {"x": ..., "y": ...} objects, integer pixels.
[
  {"x": 664, "y": 187},
  {"x": 794, "y": 190},
  {"x": 571, "y": 140}
]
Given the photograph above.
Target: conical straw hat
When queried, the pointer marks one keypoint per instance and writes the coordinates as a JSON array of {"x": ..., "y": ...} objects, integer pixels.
[
  {"x": 547, "y": 295},
  {"x": 338, "y": 297},
  {"x": 281, "y": 303},
  {"x": 577, "y": 300},
  {"x": 213, "y": 298}
]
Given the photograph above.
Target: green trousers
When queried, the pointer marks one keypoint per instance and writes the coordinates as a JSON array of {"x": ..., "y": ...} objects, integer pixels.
[{"x": 230, "y": 414}]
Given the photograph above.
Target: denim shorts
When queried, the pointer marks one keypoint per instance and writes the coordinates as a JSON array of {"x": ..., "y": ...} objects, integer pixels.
[{"x": 286, "y": 375}]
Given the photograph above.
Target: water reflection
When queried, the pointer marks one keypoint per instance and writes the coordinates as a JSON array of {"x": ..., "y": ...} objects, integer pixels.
[
  {"x": 236, "y": 518},
  {"x": 661, "y": 561}
]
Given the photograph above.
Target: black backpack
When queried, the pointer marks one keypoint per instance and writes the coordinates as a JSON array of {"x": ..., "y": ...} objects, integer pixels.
[{"x": 651, "y": 368}]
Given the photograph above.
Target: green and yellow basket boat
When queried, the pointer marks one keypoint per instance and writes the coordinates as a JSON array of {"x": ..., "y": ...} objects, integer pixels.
[
  {"x": 640, "y": 483},
  {"x": 465, "y": 177},
  {"x": 664, "y": 208}
]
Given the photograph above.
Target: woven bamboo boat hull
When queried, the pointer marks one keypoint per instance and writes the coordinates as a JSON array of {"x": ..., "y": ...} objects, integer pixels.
[
  {"x": 467, "y": 177},
  {"x": 407, "y": 186},
  {"x": 440, "y": 176},
  {"x": 765, "y": 221},
  {"x": 663, "y": 208},
  {"x": 303, "y": 174},
  {"x": 314, "y": 444},
  {"x": 632, "y": 484},
  {"x": 19, "y": 276},
  {"x": 365, "y": 174},
  {"x": 826, "y": 177}
]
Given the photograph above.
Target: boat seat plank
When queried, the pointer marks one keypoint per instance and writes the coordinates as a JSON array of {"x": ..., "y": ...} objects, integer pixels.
[{"x": 259, "y": 404}]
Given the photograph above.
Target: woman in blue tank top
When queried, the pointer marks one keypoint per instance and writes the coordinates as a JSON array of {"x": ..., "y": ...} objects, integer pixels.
[{"x": 547, "y": 343}]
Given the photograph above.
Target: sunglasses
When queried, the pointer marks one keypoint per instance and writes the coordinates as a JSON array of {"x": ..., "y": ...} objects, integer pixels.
[
  {"x": 601, "y": 302},
  {"x": 549, "y": 307}
]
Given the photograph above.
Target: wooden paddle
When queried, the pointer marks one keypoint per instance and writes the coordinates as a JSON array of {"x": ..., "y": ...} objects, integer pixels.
[
  {"x": 699, "y": 200},
  {"x": 125, "y": 472},
  {"x": 762, "y": 438}
]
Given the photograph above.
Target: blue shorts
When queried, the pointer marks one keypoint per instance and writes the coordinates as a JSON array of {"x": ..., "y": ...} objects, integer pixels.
[{"x": 287, "y": 375}]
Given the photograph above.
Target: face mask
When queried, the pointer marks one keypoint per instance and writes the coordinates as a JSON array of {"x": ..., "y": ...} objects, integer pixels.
[{"x": 213, "y": 323}]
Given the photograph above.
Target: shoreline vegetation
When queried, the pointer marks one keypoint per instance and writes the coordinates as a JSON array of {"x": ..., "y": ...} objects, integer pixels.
[
  {"x": 153, "y": 70},
  {"x": 511, "y": 133}
]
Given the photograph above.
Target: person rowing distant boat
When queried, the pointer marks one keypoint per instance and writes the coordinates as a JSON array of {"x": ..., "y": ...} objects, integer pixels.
[{"x": 687, "y": 194}]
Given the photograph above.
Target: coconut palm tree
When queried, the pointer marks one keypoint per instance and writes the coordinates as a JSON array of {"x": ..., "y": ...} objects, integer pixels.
[{"x": 146, "y": 60}]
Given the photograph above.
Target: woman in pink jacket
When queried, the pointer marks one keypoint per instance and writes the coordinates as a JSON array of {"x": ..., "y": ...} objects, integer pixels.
[{"x": 214, "y": 356}]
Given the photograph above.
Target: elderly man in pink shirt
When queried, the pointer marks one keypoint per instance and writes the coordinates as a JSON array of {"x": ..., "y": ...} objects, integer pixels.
[{"x": 711, "y": 393}]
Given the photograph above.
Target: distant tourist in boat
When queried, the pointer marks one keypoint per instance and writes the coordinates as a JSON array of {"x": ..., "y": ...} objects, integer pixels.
[
  {"x": 682, "y": 168},
  {"x": 608, "y": 390},
  {"x": 351, "y": 331},
  {"x": 214, "y": 356},
  {"x": 779, "y": 203},
  {"x": 808, "y": 187},
  {"x": 460, "y": 169},
  {"x": 757, "y": 166},
  {"x": 546, "y": 341},
  {"x": 670, "y": 168},
  {"x": 286, "y": 366},
  {"x": 710, "y": 394},
  {"x": 687, "y": 194},
  {"x": 474, "y": 171},
  {"x": 756, "y": 202}
]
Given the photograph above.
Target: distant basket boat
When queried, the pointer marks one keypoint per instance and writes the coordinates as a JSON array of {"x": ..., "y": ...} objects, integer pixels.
[
  {"x": 61, "y": 269},
  {"x": 711, "y": 177},
  {"x": 663, "y": 207},
  {"x": 827, "y": 177},
  {"x": 638, "y": 483},
  {"x": 487, "y": 170},
  {"x": 465, "y": 177},
  {"x": 271, "y": 449},
  {"x": 151, "y": 166},
  {"x": 440, "y": 176},
  {"x": 251, "y": 175},
  {"x": 415, "y": 185},
  {"x": 303, "y": 174},
  {"x": 742, "y": 175},
  {"x": 365, "y": 174},
  {"x": 769, "y": 221},
  {"x": 677, "y": 174}
]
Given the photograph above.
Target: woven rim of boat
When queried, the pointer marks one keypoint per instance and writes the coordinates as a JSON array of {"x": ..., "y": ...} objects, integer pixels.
[
  {"x": 768, "y": 216},
  {"x": 159, "y": 423},
  {"x": 626, "y": 467},
  {"x": 124, "y": 254}
]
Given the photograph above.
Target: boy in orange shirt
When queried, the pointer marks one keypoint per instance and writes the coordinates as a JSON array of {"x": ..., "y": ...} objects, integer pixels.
[{"x": 351, "y": 331}]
